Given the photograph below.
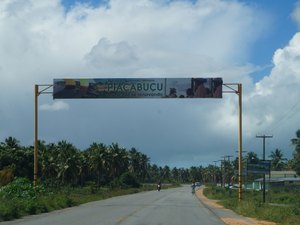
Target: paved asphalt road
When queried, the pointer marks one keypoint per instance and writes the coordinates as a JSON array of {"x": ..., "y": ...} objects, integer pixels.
[{"x": 167, "y": 207}]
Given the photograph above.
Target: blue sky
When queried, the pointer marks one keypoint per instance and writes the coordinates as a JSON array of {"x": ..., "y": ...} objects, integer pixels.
[
  {"x": 281, "y": 30},
  {"x": 255, "y": 43},
  {"x": 70, "y": 3}
]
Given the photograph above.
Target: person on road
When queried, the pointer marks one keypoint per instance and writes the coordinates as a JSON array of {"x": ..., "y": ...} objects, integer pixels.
[
  {"x": 193, "y": 187},
  {"x": 158, "y": 186}
]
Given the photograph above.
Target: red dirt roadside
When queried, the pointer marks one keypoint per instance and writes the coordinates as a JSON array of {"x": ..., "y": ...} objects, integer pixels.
[{"x": 228, "y": 216}]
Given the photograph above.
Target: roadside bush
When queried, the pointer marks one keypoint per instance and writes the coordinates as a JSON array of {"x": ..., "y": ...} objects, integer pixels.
[
  {"x": 129, "y": 180},
  {"x": 9, "y": 210},
  {"x": 20, "y": 188},
  {"x": 126, "y": 180}
]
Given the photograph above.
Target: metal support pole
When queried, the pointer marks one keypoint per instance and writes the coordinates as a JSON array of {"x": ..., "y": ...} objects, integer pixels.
[
  {"x": 37, "y": 92},
  {"x": 35, "y": 154},
  {"x": 240, "y": 142}
]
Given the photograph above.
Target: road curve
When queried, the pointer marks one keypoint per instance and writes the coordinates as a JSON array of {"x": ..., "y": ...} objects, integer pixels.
[{"x": 168, "y": 207}]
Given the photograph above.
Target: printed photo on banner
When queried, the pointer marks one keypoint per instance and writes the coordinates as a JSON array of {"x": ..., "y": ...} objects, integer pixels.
[{"x": 138, "y": 88}]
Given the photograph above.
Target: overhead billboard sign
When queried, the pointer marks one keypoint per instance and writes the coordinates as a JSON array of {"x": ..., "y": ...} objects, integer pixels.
[{"x": 138, "y": 88}]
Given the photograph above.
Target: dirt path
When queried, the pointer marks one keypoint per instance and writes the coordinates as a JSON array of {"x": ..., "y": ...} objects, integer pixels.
[{"x": 228, "y": 216}]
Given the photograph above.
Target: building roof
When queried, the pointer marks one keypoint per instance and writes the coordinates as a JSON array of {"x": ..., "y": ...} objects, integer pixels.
[
  {"x": 280, "y": 179},
  {"x": 285, "y": 173}
]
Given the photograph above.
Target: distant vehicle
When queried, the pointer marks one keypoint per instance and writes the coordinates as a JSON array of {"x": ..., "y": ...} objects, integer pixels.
[
  {"x": 193, "y": 187},
  {"x": 234, "y": 186}
]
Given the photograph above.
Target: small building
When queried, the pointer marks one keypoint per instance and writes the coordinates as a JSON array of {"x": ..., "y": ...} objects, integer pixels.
[
  {"x": 276, "y": 179},
  {"x": 277, "y": 182}
]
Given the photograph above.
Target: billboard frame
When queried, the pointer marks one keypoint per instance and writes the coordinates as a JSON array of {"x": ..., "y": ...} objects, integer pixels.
[
  {"x": 233, "y": 88},
  {"x": 149, "y": 88}
]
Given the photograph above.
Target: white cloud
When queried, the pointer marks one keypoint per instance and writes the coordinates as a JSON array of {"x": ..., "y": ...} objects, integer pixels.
[
  {"x": 177, "y": 37},
  {"x": 296, "y": 13},
  {"x": 270, "y": 106},
  {"x": 133, "y": 38},
  {"x": 273, "y": 105},
  {"x": 107, "y": 54},
  {"x": 55, "y": 106}
]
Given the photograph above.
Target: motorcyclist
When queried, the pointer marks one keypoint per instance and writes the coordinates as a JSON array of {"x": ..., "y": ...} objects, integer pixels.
[
  {"x": 193, "y": 187},
  {"x": 158, "y": 186}
]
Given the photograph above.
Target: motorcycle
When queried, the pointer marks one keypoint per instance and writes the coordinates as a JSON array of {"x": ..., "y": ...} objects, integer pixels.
[{"x": 158, "y": 187}]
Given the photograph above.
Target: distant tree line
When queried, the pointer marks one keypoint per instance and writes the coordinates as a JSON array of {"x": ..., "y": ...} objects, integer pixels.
[{"x": 63, "y": 164}]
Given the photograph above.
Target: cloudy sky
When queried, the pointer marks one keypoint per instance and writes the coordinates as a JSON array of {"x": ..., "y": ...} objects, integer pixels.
[{"x": 252, "y": 42}]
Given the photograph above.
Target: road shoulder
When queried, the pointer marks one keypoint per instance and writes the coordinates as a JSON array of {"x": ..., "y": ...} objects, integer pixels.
[{"x": 226, "y": 215}]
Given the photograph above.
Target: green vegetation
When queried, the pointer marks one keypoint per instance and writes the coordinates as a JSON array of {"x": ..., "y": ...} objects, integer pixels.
[
  {"x": 62, "y": 164},
  {"x": 282, "y": 207},
  {"x": 20, "y": 198},
  {"x": 69, "y": 176}
]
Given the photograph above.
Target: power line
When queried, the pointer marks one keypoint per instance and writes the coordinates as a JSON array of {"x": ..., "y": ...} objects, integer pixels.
[
  {"x": 290, "y": 113},
  {"x": 286, "y": 116}
]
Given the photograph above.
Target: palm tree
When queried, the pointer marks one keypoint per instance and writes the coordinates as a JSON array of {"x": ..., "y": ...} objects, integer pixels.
[
  {"x": 175, "y": 174},
  {"x": 97, "y": 160},
  {"x": 11, "y": 143},
  {"x": 45, "y": 161},
  {"x": 134, "y": 159},
  {"x": 153, "y": 171},
  {"x": 166, "y": 173},
  {"x": 206, "y": 174},
  {"x": 143, "y": 166},
  {"x": 16, "y": 157},
  {"x": 83, "y": 167},
  {"x": 68, "y": 162},
  {"x": 277, "y": 160},
  {"x": 196, "y": 174},
  {"x": 138, "y": 163},
  {"x": 119, "y": 160},
  {"x": 252, "y": 158},
  {"x": 185, "y": 175}
]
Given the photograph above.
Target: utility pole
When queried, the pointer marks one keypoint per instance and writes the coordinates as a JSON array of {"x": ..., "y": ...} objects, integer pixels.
[
  {"x": 228, "y": 172},
  {"x": 216, "y": 171},
  {"x": 264, "y": 158},
  {"x": 223, "y": 170},
  {"x": 229, "y": 156}
]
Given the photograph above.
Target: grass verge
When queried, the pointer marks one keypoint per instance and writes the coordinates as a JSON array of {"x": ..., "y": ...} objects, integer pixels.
[{"x": 282, "y": 205}]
